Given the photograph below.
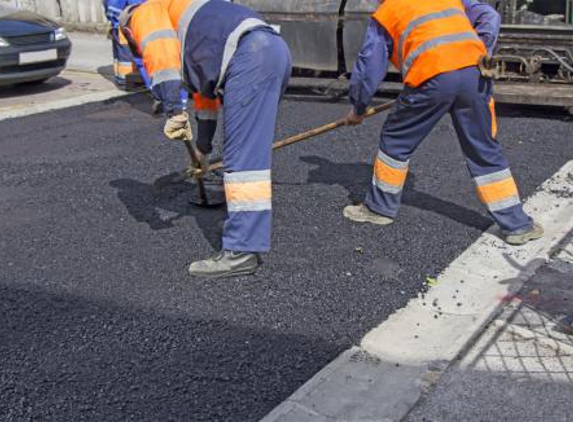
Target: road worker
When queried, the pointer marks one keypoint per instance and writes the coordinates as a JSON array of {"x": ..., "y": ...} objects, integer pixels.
[
  {"x": 230, "y": 59},
  {"x": 438, "y": 46},
  {"x": 123, "y": 60}
]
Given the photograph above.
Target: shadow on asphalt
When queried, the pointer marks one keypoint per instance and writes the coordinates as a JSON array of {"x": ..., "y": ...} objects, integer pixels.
[
  {"x": 355, "y": 178},
  {"x": 163, "y": 202},
  {"x": 63, "y": 357},
  {"x": 142, "y": 102}
]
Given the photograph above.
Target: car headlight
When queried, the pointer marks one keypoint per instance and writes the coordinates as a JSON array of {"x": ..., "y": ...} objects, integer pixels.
[
  {"x": 60, "y": 34},
  {"x": 4, "y": 43}
]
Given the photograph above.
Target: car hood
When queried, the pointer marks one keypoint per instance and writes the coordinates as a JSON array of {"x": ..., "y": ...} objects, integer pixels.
[{"x": 15, "y": 23}]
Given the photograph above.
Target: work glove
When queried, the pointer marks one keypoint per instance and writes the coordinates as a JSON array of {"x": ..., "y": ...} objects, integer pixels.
[
  {"x": 178, "y": 128},
  {"x": 487, "y": 67}
]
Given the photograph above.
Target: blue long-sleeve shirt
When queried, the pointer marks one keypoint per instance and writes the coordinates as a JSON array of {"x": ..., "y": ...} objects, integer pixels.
[
  {"x": 113, "y": 9},
  {"x": 373, "y": 60}
]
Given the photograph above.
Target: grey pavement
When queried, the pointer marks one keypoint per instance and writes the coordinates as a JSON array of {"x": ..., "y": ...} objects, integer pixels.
[
  {"x": 91, "y": 52},
  {"x": 521, "y": 367}
]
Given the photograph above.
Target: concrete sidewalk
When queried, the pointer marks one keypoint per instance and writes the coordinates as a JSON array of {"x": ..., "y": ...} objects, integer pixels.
[
  {"x": 521, "y": 367},
  {"x": 91, "y": 52}
]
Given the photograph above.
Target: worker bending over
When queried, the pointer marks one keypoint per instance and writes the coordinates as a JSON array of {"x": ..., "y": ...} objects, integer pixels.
[
  {"x": 438, "y": 46},
  {"x": 225, "y": 52}
]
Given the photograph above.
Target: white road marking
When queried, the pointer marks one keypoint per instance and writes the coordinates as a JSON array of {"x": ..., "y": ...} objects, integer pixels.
[{"x": 383, "y": 378}]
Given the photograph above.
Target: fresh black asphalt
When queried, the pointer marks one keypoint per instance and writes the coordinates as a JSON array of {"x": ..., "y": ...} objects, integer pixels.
[{"x": 99, "y": 320}]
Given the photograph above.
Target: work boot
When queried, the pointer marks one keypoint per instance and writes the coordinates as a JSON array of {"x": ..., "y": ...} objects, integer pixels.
[
  {"x": 362, "y": 214},
  {"x": 226, "y": 264},
  {"x": 518, "y": 239}
]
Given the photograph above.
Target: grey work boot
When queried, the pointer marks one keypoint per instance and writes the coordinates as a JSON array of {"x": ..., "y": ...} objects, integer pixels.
[
  {"x": 226, "y": 264},
  {"x": 518, "y": 239},
  {"x": 361, "y": 214}
]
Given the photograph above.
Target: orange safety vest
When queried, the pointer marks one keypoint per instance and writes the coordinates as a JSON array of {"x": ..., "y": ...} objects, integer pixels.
[
  {"x": 156, "y": 28},
  {"x": 429, "y": 37}
]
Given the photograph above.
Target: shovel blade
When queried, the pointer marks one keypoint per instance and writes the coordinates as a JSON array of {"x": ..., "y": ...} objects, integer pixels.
[{"x": 214, "y": 192}]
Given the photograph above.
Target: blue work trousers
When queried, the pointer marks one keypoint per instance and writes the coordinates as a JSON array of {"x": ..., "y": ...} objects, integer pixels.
[
  {"x": 255, "y": 81},
  {"x": 468, "y": 98},
  {"x": 122, "y": 57}
]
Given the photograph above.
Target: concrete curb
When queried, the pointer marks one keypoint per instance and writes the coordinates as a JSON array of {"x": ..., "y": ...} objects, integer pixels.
[{"x": 396, "y": 362}]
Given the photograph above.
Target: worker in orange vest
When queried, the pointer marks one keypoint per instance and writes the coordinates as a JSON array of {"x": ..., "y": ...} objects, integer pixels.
[
  {"x": 122, "y": 58},
  {"x": 230, "y": 59},
  {"x": 438, "y": 47}
]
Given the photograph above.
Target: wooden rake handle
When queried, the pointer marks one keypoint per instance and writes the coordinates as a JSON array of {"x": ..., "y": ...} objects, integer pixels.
[{"x": 316, "y": 131}]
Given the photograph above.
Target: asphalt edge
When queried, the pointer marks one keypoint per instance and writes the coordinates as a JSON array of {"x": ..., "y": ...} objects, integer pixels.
[{"x": 383, "y": 378}]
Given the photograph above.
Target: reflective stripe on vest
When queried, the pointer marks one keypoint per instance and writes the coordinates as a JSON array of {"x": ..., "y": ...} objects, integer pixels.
[
  {"x": 157, "y": 35},
  {"x": 166, "y": 75},
  {"x": 185, "y": 21},
  {"x": 420, "y": 21},
  {"x": 233, "y": 42},
  {"x": 207, "y": 115},
  {"x": 436, "y": 42}
]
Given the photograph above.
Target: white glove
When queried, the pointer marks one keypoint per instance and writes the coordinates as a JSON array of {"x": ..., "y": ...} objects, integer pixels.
[{"x": 178, "y": 128}]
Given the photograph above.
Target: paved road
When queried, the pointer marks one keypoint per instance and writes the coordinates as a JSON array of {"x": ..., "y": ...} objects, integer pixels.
[{"x": 99, "y": 318}]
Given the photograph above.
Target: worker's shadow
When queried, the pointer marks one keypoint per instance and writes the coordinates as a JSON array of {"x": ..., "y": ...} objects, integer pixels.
[
  {"x": 354, "y": 178},
  {"x": 163, "y": 202}
]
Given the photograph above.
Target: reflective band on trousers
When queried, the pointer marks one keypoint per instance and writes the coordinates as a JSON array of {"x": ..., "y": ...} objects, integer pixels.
[
  {"x": 233, "y": 42},
  {"x": 389, "y": 174},
  {"x": 185, "y": 20},
  {"x": 498, "y": 191},
  {"x": 122, "y": 69},
  {"x": 436, "y": 42},
  {"x": 165, "y": 76},
  {"x": 448, "y": 13},
  {"x": 158, "y": 35},
  {"x": 248, "y": 191},
  {"x": 493, "y": 118}
]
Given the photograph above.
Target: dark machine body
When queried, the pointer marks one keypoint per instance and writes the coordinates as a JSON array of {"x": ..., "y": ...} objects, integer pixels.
[{"x": 535, "y": 48}]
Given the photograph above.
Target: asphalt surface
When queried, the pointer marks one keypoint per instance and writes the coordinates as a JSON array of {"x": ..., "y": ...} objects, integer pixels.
[{"x": 99, "y": 319}]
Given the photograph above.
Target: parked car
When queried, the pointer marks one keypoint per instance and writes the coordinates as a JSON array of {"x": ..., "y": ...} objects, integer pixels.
[{"x": 32, "y": 48}]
